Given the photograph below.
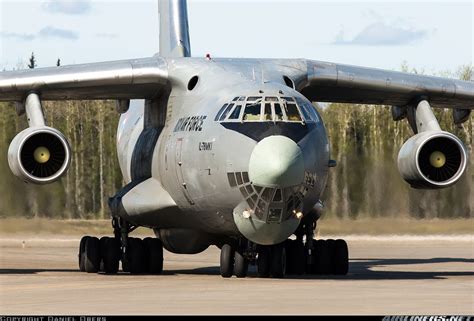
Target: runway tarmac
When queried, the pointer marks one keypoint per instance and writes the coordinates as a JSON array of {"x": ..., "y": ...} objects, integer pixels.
[{"x": 388, "y": 275}]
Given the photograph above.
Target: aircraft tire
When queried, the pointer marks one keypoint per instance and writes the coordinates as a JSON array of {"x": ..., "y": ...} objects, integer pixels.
[
  {"x": 331, "y": 244},
  {"x": 264, "y": 262},
  {"x": 341, "y": 258},
  {"x": 135, "y": 255},
  {"x": 154, "y": 255},
  {"x": 299, "y": 258},
  {"x": 323, "y": 262},
  {"x": 241, "y": 265},
  {"x": 227, "y": 261},
  {"x": 82, "y": 246},
  {"x": 290, "y": 253},
  {"x": 310, "y": 265},
  {"x": 278, "y": 261},
  {"x": 92, "y": 255},
  {"x": 110, "y": 252},
  {"x": 102, "y": 250}
]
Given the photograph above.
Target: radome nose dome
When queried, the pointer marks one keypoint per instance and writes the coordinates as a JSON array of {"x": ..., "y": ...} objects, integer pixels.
[{"x": 276, "y": 161}]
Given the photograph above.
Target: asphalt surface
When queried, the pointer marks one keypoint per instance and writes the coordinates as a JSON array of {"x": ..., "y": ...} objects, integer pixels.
[{"x": 393, "y": 275}]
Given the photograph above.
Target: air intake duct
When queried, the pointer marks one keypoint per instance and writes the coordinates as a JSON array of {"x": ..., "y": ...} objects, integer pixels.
[
  {"x": 432, "y": 160},
  {"x": 39, "y": 155}
]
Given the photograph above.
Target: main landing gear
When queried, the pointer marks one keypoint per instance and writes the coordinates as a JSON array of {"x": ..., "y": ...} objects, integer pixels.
[
  {"x": 136, "y": 255},
  {"x": 292, "y": 257}
]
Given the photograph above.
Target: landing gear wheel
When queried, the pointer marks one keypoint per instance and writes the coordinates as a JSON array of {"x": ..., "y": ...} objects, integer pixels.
[
  {"x": 295, "y": 257},
  {"x": 241, "y": 265},
  {"x": 110, "y": 252},
  {"x": 278, "y": 261},
  {"x": 289, "y": 245},
  {"x": 323, "y": 262},
  {"x": 82, "y": 248},
  {"x": 227, "y": 261},
  {"x": 341, "y": 257},
  {"x": 263, "y": 262},
  {"x": 154, "y": 254},
  {"x": 92, "y": 255},
  {"x": 299, "y": 256},
  {"x": 135, "y": 255},
  {"x": 331, "y": 245}
]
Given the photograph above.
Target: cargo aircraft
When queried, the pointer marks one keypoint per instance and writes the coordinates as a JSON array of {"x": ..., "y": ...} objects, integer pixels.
[{"x": 227, "y": 152}]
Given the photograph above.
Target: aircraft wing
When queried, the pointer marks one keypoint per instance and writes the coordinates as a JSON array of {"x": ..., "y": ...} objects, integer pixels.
[
  {"x": 330, "y": 82},
  {"x": 124, "y": 79}
]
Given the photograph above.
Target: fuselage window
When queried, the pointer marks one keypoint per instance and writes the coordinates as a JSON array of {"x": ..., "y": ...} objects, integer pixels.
[
  {"x": 226, "y": 111},
  {"x": 277, "y": 197},
  {"x": 292, "y": 112},
  {"x": 236, "y": 112},
  {"x": 267, "y": 114},
  {"x": 278, "y": 112},
  {"x": 220, "y": 112},
  {"x": 274, "y": 215},
  {"x": 252, "y": 112}
]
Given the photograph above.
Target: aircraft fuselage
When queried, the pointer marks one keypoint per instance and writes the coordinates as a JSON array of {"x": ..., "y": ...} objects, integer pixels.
[{"x": 237, "y": 159}]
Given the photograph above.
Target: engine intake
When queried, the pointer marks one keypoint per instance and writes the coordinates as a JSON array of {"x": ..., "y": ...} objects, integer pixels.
[
  {"x": 432, "y": 160},
  {"x": 39, "y": 155}
]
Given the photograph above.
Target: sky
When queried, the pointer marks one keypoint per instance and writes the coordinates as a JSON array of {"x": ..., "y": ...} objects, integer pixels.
[{"x": 431, "y": 36}]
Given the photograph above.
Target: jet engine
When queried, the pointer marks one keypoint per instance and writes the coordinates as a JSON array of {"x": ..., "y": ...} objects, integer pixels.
[
  {"x": 39, "y": 155},
  {"x": 432, "y": 160}
]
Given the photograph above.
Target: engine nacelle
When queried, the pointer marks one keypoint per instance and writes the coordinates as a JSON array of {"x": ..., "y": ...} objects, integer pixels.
[
  {"x": 432, "y": 160},
  {"x": 39, "y": 155}
]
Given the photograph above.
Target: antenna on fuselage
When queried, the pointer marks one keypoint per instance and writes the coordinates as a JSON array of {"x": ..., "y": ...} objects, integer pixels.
[{"x": 174, "y": 28}]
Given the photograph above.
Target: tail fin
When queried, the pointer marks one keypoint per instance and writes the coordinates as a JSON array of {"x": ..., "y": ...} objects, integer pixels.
[{"x": 174, "y": 29}]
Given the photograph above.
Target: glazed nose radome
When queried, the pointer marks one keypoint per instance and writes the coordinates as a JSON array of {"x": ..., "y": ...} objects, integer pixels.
[{"x": 276, "y": 161}]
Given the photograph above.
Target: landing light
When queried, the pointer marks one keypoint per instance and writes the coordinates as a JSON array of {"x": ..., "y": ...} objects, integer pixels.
[
  {"x": 298, "y": 214},
  {"x": 247, "y": 213}
]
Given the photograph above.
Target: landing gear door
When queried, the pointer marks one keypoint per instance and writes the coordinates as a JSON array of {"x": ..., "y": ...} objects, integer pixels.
[{"x": 179, "y": 170}]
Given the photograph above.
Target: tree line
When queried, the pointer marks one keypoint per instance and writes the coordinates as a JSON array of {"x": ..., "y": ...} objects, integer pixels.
[{"x": 364, "y": 141}]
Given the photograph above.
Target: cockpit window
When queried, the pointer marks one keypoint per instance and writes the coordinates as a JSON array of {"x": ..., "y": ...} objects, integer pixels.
[
  {"x": 305, "y": 112},
  {"x": 292, "y": 112},
  {"x": 309, "y": 112},
  {"x": 266, "y": 109},
  {"x": 220, "y": 112},
  {"x": 271, "y": 98},
  {"x": 278, "y": 112},
  {"x": 226, "y": 111},
  {"x": 252, "y": 112},
  {"x": 236, "y": 112},
  {"x": 267, "y": 113}
]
